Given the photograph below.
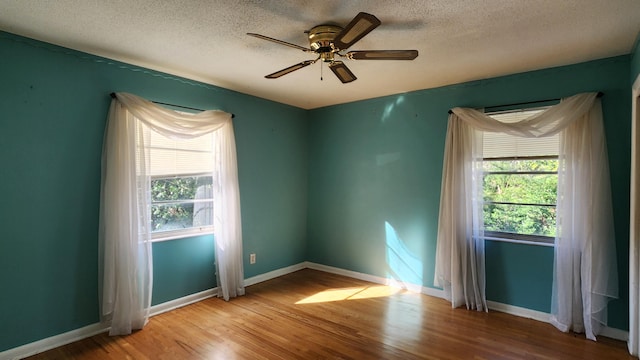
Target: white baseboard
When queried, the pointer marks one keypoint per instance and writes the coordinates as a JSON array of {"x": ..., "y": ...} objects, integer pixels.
[
  {"x": 52, "y": 342},
  {"x": 274, "y": 274},
  {"x": 183, "y": 301},
  {"x": 614, "y": 333},
  {"x": 505, "y": 308},
  {"x": 377, "y": 279},
  {"x": 55, "y": 341},
  {"x": 609, "y": 332},
  {"x": 519, "y": 311},
  {"x": 97, "y": 328},
  {"x": 94, "y": 329}
]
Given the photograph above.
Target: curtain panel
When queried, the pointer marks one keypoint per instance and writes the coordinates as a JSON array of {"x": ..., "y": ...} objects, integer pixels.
[
  {"x": 125, "y": 229},
  {"x": 585, "y": 269},
  {"x": 460, "y": 244}
]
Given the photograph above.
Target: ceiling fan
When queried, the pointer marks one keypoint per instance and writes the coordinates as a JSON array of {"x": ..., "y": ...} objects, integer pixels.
[{"x": 329, "y": 40}]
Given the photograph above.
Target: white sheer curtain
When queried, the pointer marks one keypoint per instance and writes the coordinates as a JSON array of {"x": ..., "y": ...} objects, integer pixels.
[
  {"x": 585, "y": 273},
  {"x": 460, "y": 246},
  {"x": 125, "y": 246},
  {"x": 634, "y": 230}
]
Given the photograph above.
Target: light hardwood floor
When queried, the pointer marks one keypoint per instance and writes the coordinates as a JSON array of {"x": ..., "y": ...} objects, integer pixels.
[{"x": 315, "y": 315}]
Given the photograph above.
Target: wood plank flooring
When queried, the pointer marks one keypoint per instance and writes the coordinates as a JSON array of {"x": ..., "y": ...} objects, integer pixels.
[{"x": 315, "y": 315}]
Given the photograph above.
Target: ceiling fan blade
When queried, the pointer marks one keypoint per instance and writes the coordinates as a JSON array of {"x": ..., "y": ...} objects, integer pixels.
[
  {"x": 290, "y": 69},
  {"x": 342, "y": 72},
  {"x": 280, "y": 42},
  {"x": 360, "y": 26},
  {"x": 383, "y": 55}
]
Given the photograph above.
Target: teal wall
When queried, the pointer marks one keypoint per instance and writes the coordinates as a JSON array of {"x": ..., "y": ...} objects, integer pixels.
[
  {"x": 375, "y": 176},
  {"x": 182, "y": 267},
  {"x": 356, "y": 186},
  {"x": 54, "y": 106}
]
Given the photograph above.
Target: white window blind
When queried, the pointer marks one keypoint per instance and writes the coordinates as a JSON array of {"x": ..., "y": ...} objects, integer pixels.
[
  {"x": 500, "y": 145},
  {"x": 171, "y": 157}
]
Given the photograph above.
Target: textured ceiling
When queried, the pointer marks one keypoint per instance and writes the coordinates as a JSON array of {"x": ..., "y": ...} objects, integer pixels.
[{"x": 206, "y": 40}]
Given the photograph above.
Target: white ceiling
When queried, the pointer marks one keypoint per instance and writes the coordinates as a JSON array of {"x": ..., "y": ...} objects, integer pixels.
[{"x": 457, "y": 40}]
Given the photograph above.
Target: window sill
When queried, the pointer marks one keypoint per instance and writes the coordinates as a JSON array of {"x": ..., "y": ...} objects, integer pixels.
[
  {"x": 516, "y": 241},
  {"x": 180, "y": 234}
]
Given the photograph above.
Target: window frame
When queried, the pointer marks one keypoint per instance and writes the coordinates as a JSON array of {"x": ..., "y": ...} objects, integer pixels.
[
  {"x": 157, "y": 236},
  {"x": 531, "y": 239}
]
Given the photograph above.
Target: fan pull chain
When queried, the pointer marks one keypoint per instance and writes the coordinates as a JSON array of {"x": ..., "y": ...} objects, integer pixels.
[{"x": 321, "y": 68}]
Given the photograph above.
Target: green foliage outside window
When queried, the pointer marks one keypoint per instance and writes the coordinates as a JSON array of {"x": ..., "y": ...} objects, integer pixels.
[
  {"x": 531, "y": 196},
  {"x": 173, "y": 202}
]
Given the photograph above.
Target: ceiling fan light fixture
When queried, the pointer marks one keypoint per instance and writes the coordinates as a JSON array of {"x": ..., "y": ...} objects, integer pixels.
[{"x": 327, "y": 56}]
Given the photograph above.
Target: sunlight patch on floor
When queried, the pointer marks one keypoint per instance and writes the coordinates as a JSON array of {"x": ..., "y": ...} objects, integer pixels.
[{"x": 354, "y": 293}]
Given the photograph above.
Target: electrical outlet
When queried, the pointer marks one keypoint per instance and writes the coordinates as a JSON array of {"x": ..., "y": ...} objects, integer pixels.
[{"x": 252, "y": 258}]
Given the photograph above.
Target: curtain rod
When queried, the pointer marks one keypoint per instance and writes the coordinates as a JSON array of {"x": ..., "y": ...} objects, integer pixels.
[
  {"x": 600, "y": 94},
  {"x": 113, "y": 96}
]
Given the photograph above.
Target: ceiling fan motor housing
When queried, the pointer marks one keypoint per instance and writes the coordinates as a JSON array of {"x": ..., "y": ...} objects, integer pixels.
[{"x": 321, "y": 40}]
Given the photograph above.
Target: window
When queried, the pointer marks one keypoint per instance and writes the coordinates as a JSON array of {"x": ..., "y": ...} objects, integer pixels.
[
  {"x": 181, "y": 185},
  {"x": 519, "y": 184},
  {"x": 181, "y": 202}
]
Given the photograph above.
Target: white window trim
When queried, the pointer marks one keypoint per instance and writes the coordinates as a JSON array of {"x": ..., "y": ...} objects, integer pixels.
[
  {"x": 516, "y": 241},
  {"x": 511, "y": 239},
  {"x": 159, "y": 236},
  {"x": 181, "y": 233}
]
